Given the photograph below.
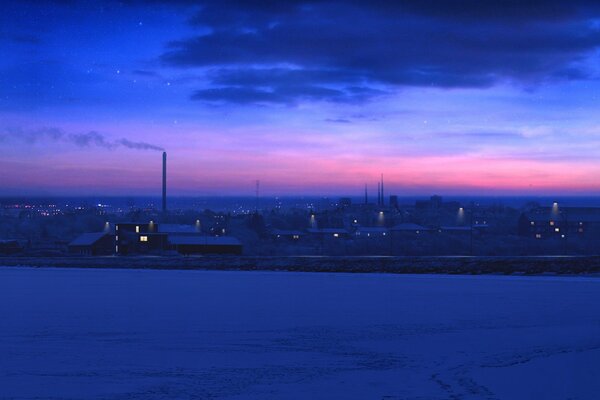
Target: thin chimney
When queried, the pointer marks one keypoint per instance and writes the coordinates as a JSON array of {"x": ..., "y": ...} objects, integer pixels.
[{"x": 164, "y": 182}]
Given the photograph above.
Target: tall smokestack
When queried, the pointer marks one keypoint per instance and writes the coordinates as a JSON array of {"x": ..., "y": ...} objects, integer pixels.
[
  {"x": 164, "y": 183},
  {"x": 366, "y": 195},
  {"x": 378, "y": 193}
]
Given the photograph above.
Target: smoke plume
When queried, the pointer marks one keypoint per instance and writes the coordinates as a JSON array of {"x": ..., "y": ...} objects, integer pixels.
[{"x": 87, "y": 139}]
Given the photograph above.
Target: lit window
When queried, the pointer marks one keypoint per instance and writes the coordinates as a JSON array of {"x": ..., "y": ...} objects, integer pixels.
[
  {"x": 383, "y": 233},
  {"x": 580, "y": 230},
  {"x": 538, "y": 235},
  {"x": 532, "y": 222},
  {"x": 556, "y": 229},
  {"x": 581, "y": 223},
  {"x": 296, "y": 237},
  {"x": 137, "y": 229},
  {"x": 336, "y": 235},
  {"x": 551, "y": 223},
  {"x": 143, "y": 238},
  {"x": 116, "y": 249},
  {"x": 117, "y": 238}
]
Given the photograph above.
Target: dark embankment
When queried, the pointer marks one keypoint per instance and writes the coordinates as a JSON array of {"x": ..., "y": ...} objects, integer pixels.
[{"x": 406, "y": 265}]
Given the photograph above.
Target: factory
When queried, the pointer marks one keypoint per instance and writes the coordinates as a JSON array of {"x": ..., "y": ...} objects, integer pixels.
[
  {"x": 157, "y": 238},
  {"x": 161, "y": 238},
  {"x": 152, "y": 237}
]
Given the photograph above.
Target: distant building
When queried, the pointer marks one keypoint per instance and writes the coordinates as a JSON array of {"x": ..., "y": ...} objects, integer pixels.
[
  {"x": 560, "y": 222},
  {"x": 394, "y": 201},
  {"x": 92, "y": 244},
  {"x": 436, "y": 201},
  {"x": 329, "y": 232},
  {"x": 345, "y": 202}
]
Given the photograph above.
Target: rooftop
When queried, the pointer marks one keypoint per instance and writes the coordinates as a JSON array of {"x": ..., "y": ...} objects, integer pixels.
[
  {"x": 87, "y": 239},
  {"x": 409, "y": 226},
  {"x": 204, "y": 240}
]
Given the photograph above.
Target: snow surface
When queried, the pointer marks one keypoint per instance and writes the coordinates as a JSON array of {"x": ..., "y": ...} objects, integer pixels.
[{"x": 149, "y": 334}]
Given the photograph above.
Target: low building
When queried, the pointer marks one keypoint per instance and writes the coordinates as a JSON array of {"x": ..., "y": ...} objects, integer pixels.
[
  {"x": 92, "y": 244},
  {"x": 409, "y": 228},
  {"x": 156, "y": 238},
  {"x": 283, "y": 234},
  {"x": 328, "y": 232},
  {"x": 188, "y": 245},
  {"x": 456, "y": 230},
  {"x": 9, "y": 246},
  {"x": 139, "y": 238}
]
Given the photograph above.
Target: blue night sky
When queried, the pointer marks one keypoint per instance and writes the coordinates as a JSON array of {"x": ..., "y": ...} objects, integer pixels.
[{"x": 314, "y": 97}]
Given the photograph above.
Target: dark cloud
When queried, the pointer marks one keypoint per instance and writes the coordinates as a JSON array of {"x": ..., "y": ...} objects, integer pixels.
[
  {"x": 284, "y": 94},
  {"x": 22, "y": 38},
  {"x": 282, "y": 52},
  {"x": 141, "y": 72},
  {"x": 485, "y": 135},
  {"x": 338, "y": 120},
  {"x": 504, "y": 10}
]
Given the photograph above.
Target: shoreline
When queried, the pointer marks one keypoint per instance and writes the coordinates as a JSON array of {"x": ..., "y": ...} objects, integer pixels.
[{"x": 452, "y": 265}]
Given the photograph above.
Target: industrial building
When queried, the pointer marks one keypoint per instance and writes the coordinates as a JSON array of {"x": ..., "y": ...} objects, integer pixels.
[
  {"x": 156, "y": 238},
  {"x": 92, "y": 244},
  {"x": 286, "y": 234},
  {"x": 8, "y": 246},
  {"x": 188, "y": 245}
]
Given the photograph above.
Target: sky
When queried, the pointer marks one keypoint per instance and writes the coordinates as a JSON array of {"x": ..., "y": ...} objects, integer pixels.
[{"x": 310, "y": 97}]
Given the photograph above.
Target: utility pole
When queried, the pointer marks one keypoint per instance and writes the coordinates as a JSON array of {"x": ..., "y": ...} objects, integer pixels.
[
  {"x": 164, "y": 182},
  {"x": 471, "y": 222},
  {"x": 257, "y": 194}
]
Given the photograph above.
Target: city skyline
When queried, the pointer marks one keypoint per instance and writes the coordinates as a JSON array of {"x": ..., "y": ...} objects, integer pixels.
[{"x": 310, "y": 97}]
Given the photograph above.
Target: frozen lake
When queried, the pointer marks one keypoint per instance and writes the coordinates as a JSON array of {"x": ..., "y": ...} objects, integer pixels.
[{"x": 149, "y": 334}]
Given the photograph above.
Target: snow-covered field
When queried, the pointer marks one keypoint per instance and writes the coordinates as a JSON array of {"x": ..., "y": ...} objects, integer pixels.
[{"x": 144, "y": 334}]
